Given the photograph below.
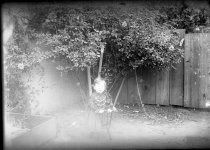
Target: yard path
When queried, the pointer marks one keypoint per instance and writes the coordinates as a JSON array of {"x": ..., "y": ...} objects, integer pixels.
[{"x": 75, "y": 131}]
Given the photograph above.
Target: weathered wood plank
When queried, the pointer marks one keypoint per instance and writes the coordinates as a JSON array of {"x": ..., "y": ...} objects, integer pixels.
[
  {"x": 177, "y": 80},
  {"x": 187, "y": 71},
  {"x": 132, "y": 89},
  {"x": 115, "y": 89},
  {"x": 148, "y": 86},
  {"x": 162, "y": 87},
  {"x": 195, "y": 70},
  {"x": 202, "y": 77},
  {"x": 204, "y": 69},
  {"x": 123, "y": 96},
  {"x": 208, "y": 69},
  {"x": 177, "y": 85}
]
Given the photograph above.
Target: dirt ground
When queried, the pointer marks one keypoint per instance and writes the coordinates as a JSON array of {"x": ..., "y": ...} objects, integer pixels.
[{"x": 160, "y": 127}]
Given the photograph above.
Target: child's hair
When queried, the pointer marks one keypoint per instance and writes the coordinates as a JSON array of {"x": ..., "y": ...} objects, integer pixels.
[{"x": 97, "y": 80}]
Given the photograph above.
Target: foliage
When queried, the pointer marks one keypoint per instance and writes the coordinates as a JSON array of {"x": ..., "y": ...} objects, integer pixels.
[
  {"x": 147, "y": 43},
  {"x": 76, "y": 36},
  {"x": 184, "y": 17},
  {"x": 23, "y": 88},
  {"x": 133, "y": 37},
  {"x": 140, "y": 41},
  {"x": 71, "y": 38},
  {"x": 19, "y": 61}
]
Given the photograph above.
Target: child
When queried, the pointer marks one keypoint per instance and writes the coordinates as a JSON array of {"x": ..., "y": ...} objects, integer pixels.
[{"x": 101, "y": 102}]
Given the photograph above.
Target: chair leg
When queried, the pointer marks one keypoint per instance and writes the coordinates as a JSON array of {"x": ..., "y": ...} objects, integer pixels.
[
  {"x": 108, "y": 117},
  {"x": 88, "y": 115},
  {"x": 110, "y": 120},
  {"x": 103, "y": 118},
  {"x": 95, "y": 122}
]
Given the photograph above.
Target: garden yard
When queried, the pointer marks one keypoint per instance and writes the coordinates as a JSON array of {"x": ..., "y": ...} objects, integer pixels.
[{"x": 61, "y": 61}]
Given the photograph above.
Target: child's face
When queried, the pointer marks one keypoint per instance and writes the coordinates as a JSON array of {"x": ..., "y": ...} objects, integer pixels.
[{"x": 100, "y": 86}]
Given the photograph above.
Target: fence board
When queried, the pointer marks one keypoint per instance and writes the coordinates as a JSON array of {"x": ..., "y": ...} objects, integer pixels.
[
  {"x": 123, "y": 96},
  {"x": 177, "y": 80},
  {"x": 202, "y": 75},
  {"x": 208, "y": 69},
  {"x": 204, "y": 69},
  {"x": 162, "y": 87},
  {"x": 187, "y": 70},
  {"x": 132, "y": 90},
  {"x": 177, "y": 84},
  {"x": 148, "y": 86},
  {"x": 195, "y": 64}
]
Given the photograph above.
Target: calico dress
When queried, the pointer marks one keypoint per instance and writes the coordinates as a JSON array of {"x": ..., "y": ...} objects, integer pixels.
[{"x": 101, "y": 103}]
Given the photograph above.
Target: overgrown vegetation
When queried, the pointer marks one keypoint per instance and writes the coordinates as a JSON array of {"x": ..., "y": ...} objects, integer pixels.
[
  {"x": 133, "y": 37},
  {"x": 183, "y": 17}
]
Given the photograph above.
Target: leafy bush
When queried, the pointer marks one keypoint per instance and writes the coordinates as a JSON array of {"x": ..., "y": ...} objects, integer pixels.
[
  {"x": 133, "y": 37},
  {"x": 138, "y": 39}
]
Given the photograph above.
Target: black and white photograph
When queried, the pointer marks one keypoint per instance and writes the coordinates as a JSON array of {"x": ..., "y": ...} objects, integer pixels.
[{"x": 106, "y": 74}]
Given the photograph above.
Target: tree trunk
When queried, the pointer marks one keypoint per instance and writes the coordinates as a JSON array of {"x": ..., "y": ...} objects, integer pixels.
[
  {"x": 118, "y": 93},
  {"x": 208, "y": 25},
  {"x": 89, "y": 81},
  {"x": 138, "y": 90},
  {"x": 100, "y": 63}
]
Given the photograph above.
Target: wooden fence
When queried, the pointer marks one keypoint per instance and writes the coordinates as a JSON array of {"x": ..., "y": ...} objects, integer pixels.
[
  {"x": 188, "y": 85},
  {"x": 197, "y": 70}
]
